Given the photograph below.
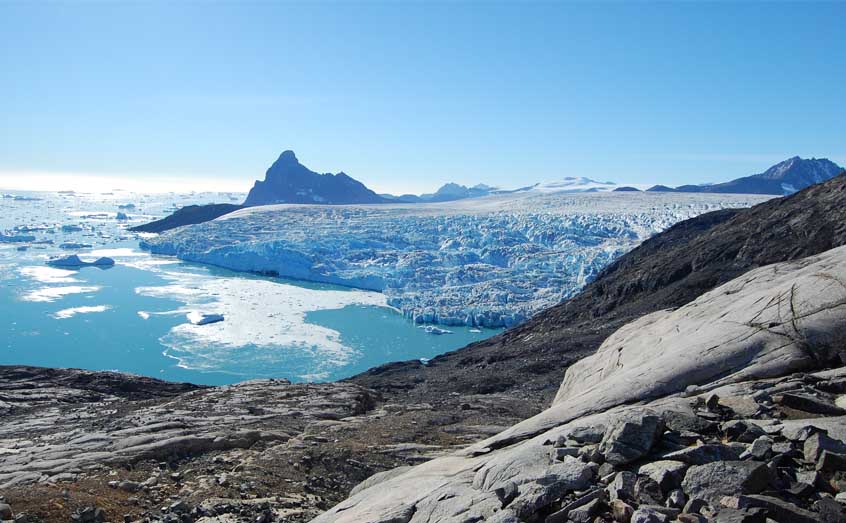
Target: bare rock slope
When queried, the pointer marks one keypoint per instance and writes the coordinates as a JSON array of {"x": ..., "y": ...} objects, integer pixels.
[{"x": 646, "y": 410}]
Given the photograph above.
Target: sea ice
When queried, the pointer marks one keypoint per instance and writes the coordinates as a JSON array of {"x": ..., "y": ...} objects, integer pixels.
[{"x": 259, "y": 313}]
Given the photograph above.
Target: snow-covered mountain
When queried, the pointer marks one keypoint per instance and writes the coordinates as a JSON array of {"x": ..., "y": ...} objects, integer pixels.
[
  {"x": 787, "y": 177},
  {"x": 571, "y": 184},
  {"x": 289, "y": 181}
]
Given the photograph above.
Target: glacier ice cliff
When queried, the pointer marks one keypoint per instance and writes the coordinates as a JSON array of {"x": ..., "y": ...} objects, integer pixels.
[{"x": 492, "y": 261}]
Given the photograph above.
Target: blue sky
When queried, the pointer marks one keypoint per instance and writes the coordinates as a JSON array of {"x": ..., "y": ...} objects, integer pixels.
[{"x": 406, "y": 96}]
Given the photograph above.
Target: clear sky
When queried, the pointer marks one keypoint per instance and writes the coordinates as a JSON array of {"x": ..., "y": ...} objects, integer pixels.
[{"x": 406, "y": 96}]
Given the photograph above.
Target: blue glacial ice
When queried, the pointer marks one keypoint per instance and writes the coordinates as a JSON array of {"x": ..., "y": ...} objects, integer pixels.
[{"x": 491, "y": 262}]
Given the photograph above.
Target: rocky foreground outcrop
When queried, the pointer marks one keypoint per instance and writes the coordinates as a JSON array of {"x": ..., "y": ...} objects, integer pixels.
[
  {"x": 716, "y": 411},
  {"x": 100, "y": 446}
]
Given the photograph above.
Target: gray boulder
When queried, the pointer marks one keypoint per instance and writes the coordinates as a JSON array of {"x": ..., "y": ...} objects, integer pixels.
[
  {"x": 667, "y": 474},
  {"x": 820, "y": 441},
  {"x": 712, "y": 481},
  {"x": 649, "y": 515},
  {"x": 630, "y": 438},
  {"x": 622, "y": 486}
]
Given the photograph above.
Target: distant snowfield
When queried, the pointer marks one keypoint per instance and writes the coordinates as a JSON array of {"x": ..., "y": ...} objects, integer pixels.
[{"x": 492, "y": 261}]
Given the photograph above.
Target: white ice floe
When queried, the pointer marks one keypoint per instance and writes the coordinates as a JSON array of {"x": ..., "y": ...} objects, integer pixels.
[
  {"x": 73, "y": 311},
  {"x": 49, "y": 294},
  {"x": 48, "y": 274}
]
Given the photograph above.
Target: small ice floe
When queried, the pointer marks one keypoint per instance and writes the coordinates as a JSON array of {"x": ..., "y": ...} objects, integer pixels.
[
  {"x": 431, "y": 329},
  {"x": 71, "y": 245},
  {"x": 121, "y": 216},
  {"x": 71, "y": 228},
  {"x": 75, "y": 261},
  {"x": 70, "y": 313},
  {"x": 476, "y": 330},
  {"x": 16, "y": 238},
  {"x": 200, "y": 318}
]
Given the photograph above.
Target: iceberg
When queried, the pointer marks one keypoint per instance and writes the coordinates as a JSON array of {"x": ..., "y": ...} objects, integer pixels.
[
  {"x": 76, "y": 262},
  {"x": 431, "y": 329},
  {"x": 16, "y": 238},
  {"x": 491, "y": 261},
  {"x": 199, "y": 318}
]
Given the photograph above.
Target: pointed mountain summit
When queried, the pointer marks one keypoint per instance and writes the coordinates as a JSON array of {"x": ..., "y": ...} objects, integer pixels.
[
  {"x": 289, "y": 181},
  {"x": 787, "y": 177}
]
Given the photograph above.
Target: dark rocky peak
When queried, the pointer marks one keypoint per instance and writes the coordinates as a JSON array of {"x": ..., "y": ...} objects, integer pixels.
[{"x": 289, "y": 181}]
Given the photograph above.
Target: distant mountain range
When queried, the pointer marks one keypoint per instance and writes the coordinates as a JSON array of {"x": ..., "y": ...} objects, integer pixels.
[
  {"x": 787, "y": 177},
  {"x": 288, "y": 181},
  {"x": 447, "y": 193}
]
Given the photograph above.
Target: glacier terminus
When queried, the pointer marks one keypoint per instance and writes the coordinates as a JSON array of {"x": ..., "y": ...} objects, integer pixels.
[{"x": 488, "y": 262}]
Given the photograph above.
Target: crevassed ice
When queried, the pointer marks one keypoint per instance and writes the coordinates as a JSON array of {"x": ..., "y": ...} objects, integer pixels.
[{"x": 492, "y": 261}]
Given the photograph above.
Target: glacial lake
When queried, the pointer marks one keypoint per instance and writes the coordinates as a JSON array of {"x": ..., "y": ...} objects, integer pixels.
[{"x": 135, "y": 317}]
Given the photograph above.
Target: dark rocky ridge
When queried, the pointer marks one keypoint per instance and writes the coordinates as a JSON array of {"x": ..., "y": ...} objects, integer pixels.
[
  {"x": 666, "y": 271},
  {"x": 787, "y": 177},
  {"x": 188, "y": 215}
]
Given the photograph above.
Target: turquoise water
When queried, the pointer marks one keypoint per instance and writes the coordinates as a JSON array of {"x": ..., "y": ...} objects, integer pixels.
[{"x": 134, "y": 317}]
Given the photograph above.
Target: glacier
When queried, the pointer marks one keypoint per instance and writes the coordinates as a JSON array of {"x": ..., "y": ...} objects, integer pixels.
[{"x": 487, "y": 262}]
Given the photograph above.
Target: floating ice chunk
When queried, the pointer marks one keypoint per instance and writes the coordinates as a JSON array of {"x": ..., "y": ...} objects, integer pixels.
[
  {"x": 431, "y": 329},
  {"x": 71, "y": 228},
  {"x": 121, "y": 216},
  {"x": 73, "y": 311},
  {"x": 16, "y": 238},
  {"x": 199, "y": 318},
  {"x": 76, "y": 262},
  {"x": 72, "y": 245}
]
